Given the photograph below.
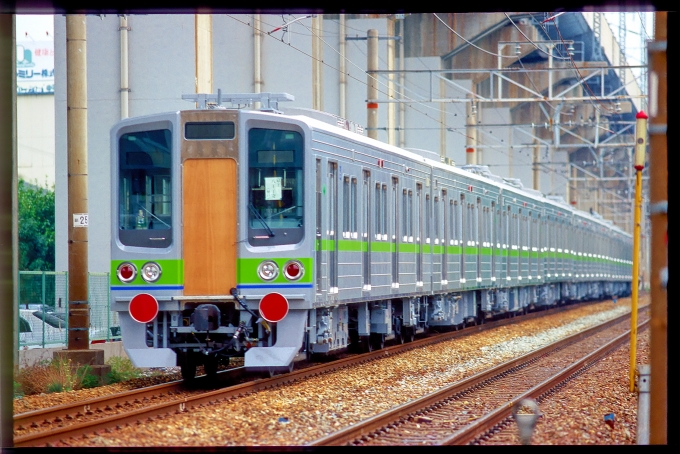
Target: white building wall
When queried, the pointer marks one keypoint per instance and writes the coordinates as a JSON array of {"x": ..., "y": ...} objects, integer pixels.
[
  {"x": 162, "y": 65},
  {"x": 35, "y": 139}
]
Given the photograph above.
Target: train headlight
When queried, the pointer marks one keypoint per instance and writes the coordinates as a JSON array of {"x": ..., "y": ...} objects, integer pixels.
[
  {"x": 126, "y": 272},
  {"x": 293, "y": 270},
  {"x": 268, "y": 270},
  {"x": 151, "y": 272}
]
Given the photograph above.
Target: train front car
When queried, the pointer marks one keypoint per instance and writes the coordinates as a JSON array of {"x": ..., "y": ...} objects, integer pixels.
[{"x": 207, "y": 241}]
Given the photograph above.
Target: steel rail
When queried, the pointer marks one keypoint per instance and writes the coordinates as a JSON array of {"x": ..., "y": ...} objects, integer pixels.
[
  {"x": 108, "y": 422},
  {"x": 349, "y": 434}
]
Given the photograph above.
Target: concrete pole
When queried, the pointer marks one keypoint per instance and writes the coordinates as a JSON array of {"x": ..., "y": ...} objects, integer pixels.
[
  {"x": 343, "y": 66},
  {"x": 470, "y": 133},
  {"x": 642, "y": 437},
  {"x": 372, "y": 104},
  {"x": 204, "y": 57},
  {"x": 402, "y": 82},
  {"x": 76, "y": 118},
  {"x": 658, "y": 199},
  {"x": 8, "y": 277},
  {"x": 124, "y": 82},
  {"x": 574, "y": 194},
  {"x": 257, "y": 57},
  {"x": 536, "y": 168},
  {"x": 317, "y": 67},
  {"x": 391, "y": 107},
  {"x": 442, "y": 122}
]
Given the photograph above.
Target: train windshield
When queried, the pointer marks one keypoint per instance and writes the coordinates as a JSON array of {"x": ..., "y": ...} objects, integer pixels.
[
  {"x": 275, "y": 182},
  {"x": 145, "y": 204}
]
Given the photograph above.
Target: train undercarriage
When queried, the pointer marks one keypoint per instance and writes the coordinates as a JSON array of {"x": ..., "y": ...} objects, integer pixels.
[{"x": 209, "y": 335}]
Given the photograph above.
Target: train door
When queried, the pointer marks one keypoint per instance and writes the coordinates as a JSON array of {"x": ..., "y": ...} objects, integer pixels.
[
  {"x": 407, "y": 233},
  {"x": 419, "y": 236},
  {"x": 471, "y": 259},
  {"x": 333, "y": 227},
  {"x": 445, "y": 238},
  {"x": 451, "y": 259},
  {"x": 318, "y": 269},
  {"x": 395, "y": 232},
  {"x": 436, "y": 246},
  {"x": 366, "y": 231},
  {"x": 506, "y": 244},
  {"x": 209, "y": 217},
  {"x": 540, "y": 273},
  {"x": 463, "y": 238},
  {"x": 494, "y": 240},
  {"x": 520, "y": 244}
]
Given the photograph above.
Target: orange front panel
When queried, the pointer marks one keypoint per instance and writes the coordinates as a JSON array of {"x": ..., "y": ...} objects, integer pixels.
[{"x": 210, "y": 217}]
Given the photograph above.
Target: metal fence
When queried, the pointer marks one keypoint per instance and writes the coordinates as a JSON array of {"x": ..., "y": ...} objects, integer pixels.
[{"x": 43, "y": 309}]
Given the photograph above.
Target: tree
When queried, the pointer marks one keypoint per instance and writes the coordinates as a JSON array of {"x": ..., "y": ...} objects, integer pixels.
[{"x": 36, "y": 228}]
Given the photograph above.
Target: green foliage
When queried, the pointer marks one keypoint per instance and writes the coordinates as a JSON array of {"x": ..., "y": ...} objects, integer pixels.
[
  {"x": 54, "y": 387},
  {"x": 87, "y": 380},
  {"x": 18, "y": 390},
  {"x": 121, "y": 370},
  {"x": 36, "y": 227}
]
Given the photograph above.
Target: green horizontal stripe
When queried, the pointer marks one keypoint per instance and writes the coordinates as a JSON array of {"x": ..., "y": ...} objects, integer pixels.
[
  {"x": 172, "y": 272},
  {"x": 246, "y": 271}
]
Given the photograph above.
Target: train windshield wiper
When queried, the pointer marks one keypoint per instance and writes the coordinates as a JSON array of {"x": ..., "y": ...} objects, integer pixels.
[{"x": 261, "y": 219}]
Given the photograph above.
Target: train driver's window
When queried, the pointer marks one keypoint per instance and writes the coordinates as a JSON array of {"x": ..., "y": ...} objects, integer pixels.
[
  {"x": 145, "y": 188},
  {"x": 275, "y": 184}
]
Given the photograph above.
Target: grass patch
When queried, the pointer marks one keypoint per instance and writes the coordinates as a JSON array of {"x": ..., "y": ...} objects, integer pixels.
[
  {"x": 49, "y": 376},
  {"x": 61, "y": 375},
  {"x": 121, "y": 370}
]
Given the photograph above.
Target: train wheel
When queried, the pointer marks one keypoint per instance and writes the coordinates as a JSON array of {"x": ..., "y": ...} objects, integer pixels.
[
  {"x": 366, "y": 344},
  {"x": 399, "y": 332},
  {"x": 187, "y": 364},
  {"x": 378, "y": 341},
  {"x": 409, "y": 333},
  {"x": 210, "y": 365}
]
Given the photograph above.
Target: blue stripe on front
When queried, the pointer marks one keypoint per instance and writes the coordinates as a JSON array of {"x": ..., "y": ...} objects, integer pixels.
[
  {"x": 147, "y": 287},
  {"x": 255, "y": 286}
]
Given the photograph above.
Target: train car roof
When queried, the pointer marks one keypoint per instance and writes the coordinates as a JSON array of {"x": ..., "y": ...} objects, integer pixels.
[{"x": 331, "y": 123}]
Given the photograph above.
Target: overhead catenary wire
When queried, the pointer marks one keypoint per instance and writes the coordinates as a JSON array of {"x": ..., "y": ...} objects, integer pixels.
[{"x": 411, "y": 104}]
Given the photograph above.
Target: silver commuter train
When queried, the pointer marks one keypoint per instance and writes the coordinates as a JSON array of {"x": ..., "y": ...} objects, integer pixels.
[{"x": 274, "y": 237}]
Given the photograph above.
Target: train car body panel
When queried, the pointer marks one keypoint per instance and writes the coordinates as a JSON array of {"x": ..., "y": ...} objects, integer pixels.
[{"x": 208, "y": 213}]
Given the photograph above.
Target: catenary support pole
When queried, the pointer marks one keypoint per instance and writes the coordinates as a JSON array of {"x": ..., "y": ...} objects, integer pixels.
[
  {"x": 639, "y": 164},
  {"x": 372, "y": 98},
  {"x": 76, "y": 117},
  {"x": 658, "y": 201},
  {"x": 7, "y": 196}
]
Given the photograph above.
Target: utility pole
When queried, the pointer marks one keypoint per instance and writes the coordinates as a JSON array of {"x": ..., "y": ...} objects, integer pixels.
[
  {"x": 8, "y": 167},
  {"x": 78, "y": 350},
  {"x": 658, "y": 199},
  {"x": 372, "y": 102}
]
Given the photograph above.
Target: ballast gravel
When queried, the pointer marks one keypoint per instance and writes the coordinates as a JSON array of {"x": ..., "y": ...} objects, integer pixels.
[{"x": 299, "y": 413}]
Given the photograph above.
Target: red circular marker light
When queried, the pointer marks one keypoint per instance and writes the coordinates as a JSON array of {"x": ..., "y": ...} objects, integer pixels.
[
  {"x": 293, "y": 270},
  {"x": 126, "y": 272},
  {"x": 143, "y": 308},
  {"x": 273, "y": 307}
]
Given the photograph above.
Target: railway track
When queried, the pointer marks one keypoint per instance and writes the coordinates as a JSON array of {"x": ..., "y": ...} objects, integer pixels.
[
  {"x": 477, "y": 407},
  {"x": 55, "y": 426}
]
